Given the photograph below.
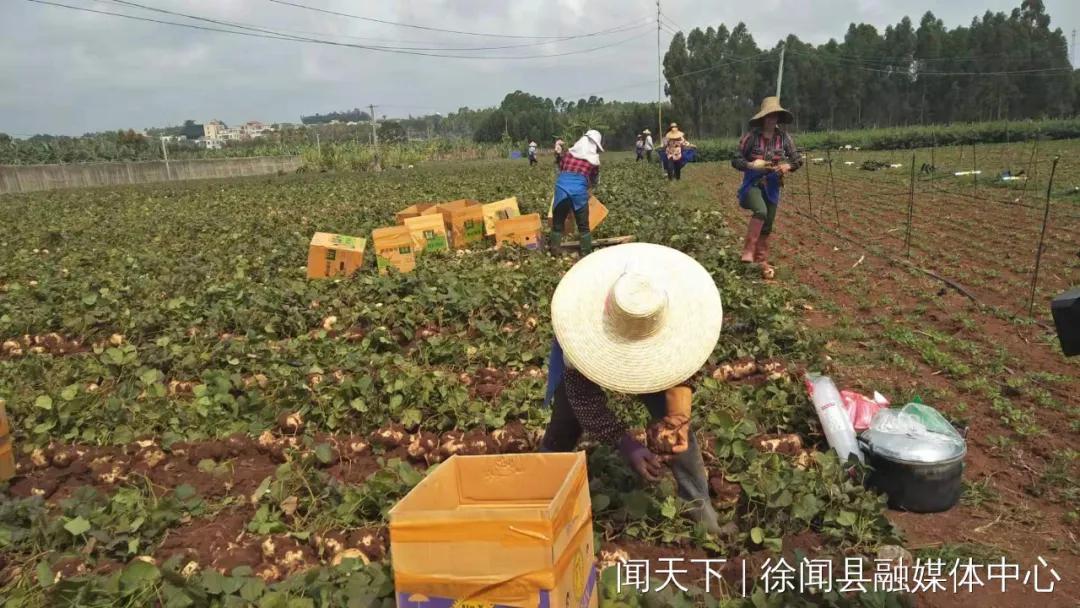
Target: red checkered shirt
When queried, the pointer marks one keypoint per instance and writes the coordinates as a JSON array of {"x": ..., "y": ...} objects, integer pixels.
[{"x": 572, "y": 164}]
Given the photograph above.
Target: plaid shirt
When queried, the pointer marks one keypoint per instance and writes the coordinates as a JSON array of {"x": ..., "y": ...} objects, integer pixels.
[{"x": 571, "y": 164}]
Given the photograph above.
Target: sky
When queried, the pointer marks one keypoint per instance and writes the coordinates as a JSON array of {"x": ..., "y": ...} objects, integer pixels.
[{"x": 69, "y": 72}]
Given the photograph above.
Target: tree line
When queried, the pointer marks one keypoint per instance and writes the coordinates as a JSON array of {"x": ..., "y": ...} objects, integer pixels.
[{"x": 1000, "y": 67}]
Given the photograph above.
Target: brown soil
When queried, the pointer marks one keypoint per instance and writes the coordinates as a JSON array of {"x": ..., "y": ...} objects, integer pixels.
[
  {"x": 246, "y": 463},
  {"x": 1016, "y": 521}
]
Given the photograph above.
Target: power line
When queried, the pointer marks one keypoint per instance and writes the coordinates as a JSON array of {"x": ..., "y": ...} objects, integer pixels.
[
  {"x": 424, "y": 27},
  {"x": 615, "y": 29},
  {"x": 273, "y": 35},
  {"x": 673, "y": 22}
]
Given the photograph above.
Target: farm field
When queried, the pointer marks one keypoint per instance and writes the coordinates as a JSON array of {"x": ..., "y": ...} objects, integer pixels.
[
  {"x": 890, "y": 328},
  {"x": 199, "y": 424},
  {"x": 979, "y": 231}
]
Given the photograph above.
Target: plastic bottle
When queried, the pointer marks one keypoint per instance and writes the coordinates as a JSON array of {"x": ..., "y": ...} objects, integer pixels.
[{"x": 839, "y": 431}]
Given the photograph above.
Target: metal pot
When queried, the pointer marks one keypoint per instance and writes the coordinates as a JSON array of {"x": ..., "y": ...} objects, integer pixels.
[{"x": 920, "y": 475}]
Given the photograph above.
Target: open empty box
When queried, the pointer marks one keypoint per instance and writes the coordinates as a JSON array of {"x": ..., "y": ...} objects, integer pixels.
[{"x": 511, "y": 530}]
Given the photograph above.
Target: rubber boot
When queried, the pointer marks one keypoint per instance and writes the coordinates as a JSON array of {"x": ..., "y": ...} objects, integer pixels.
[
  {"x": 761, "y": 250},
  {"x": 693, "y": 485},
  {"x": 555, "y": 243},
  {"x": 761, "y": 256},
  {"x": 753, "y": 233},
  {"x": 586, "y": 243}
]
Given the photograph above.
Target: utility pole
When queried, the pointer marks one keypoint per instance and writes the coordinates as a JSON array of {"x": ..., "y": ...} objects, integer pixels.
[
  {"x": 659, "y": 86},
  {"x": 780, "y": 70},
  {"x": 165, "y": 153},
  {"x": 318, "y": 146}
]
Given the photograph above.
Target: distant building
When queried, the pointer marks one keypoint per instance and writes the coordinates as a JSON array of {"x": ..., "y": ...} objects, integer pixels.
[
  {"x": 254, "y": 128},
  {"x": 214, "y": 129},
  {"x": 209, "y": 144},
  {"x": 218, "y": 132}
]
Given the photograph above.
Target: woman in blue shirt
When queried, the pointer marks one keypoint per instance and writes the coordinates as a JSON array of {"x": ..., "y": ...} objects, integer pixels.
[
  {"x": 766, "y": 153},
  {"x": 579, "y": 172}
]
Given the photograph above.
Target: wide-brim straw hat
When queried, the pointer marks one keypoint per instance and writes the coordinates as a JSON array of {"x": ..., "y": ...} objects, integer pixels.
[
  {"x": 675, "y": 134},
  {"x": 637, "y": 318},
  {"x": 646, "y": 132},
  {"x": 771, "y": 105}
]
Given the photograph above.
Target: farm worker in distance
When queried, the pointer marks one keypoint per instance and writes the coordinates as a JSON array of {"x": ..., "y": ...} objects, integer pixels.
[
  {"x": 766, "y": 154},
  {"x": 674, "y": 142},
  {"x": 637, "y": 319},
  {"x": 639, "y": 147},
  {"x": 578, "y": 175},
  {"x": 560, "y": 146},
  {"x": 532, "y": 153},
  {"x": 648, "y": 144}
]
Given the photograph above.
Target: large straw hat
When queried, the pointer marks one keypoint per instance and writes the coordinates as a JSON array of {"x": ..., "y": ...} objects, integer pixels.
[
  {"x": 646, "y": 132},
  {"x": 771, "y": 105},
  {"x": 637, "y": 318}
]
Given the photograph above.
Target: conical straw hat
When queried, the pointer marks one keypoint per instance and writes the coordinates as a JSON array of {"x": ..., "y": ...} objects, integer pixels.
[
  {"x": 771, "y": 105},
  {"x": 637, "y": 318}
]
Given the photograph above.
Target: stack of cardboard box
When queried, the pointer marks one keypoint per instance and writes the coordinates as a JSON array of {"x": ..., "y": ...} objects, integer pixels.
[{"x": 429, "y": 227}]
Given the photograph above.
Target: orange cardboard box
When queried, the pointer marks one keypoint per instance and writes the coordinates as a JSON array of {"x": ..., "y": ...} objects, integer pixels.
[
  {"x": 334, "y": 254},
  {"x": 394, "y": 247},
  {"x": 464, "y": 221},
  {"x": 497, "y": 531},
  {"x": 504, "y": 209},
  {"x": 525, "y": 230},
  {"x": 597, "y": 213},
  {"x": 428, "y": 233},
  {"x": 411, "y": 211}
]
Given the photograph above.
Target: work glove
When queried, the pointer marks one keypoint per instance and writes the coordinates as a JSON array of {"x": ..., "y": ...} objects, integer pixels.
[
  {"x": 670, "y": 435},
  {"x": 644, "y": 462}
]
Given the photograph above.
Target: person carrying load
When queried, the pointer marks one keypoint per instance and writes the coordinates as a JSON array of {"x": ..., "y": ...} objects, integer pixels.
[
  {"x": 765, "y": 155},
  {"x": 637, "y": 319},
  {"x": 674, "y": 142},
  {"x": 579, "y": 172}
]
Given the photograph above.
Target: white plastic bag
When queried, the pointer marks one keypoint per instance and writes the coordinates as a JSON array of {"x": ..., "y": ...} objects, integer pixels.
[{"x": 916, "y": 420}]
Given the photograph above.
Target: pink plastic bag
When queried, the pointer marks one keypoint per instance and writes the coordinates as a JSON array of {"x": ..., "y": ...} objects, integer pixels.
[{"x": 861, "y": 409}]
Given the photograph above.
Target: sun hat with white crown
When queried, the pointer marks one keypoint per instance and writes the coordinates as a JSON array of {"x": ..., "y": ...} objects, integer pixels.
[{"x": 637, "y": 318}]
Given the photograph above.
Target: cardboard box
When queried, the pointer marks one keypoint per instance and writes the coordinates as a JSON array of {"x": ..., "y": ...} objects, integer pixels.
[
  {"x": 504, "y": 209},
  {"x": 7, "y": 450},
  {"x": 525, "y": 230},
  {"x": 428, "y": 233},
  {"x": 597, "y": 213},
  {"x": 411, "y": 211},
  {"x": 495, "y": 531},
  {"x": 394, "y": 247},
  {"x": 464, "y": 221},
  {"x": 331, "y": 255}
]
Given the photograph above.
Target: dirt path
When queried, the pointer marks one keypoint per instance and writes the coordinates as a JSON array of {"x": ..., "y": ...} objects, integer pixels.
[{"x": 901, "y": 332}]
